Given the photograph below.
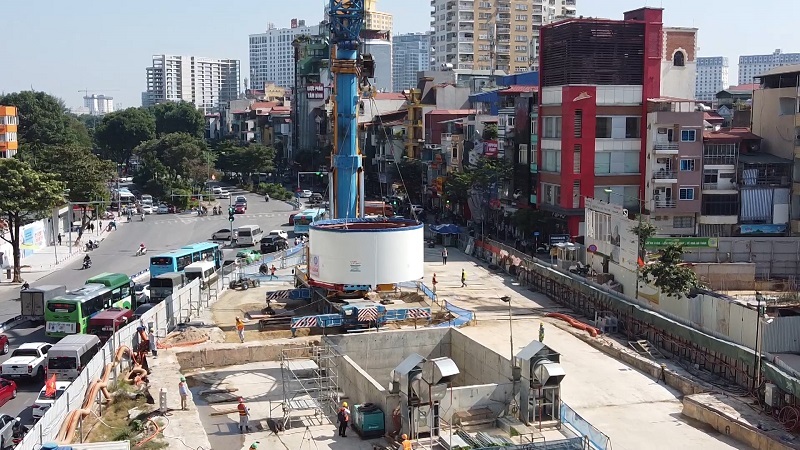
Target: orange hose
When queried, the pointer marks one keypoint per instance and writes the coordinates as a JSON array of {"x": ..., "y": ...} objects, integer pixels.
[
  {"x": 182, "y": 344},
  {"x": 593, "y": 332},
  {"x": 152, "y": 436}
]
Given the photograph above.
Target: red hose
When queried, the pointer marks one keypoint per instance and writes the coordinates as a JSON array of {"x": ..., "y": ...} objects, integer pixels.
[{"x": 593, "y": 332}]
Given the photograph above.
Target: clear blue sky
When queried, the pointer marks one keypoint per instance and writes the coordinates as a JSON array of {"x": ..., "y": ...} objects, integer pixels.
[{"x": 65, "y": 46}]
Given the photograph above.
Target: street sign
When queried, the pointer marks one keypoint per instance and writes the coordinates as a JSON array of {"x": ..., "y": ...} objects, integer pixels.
[
  {"x": 558, "y": 238},
  {"x": 536, "y": 233},
  {"x": 687, "y": 242}
]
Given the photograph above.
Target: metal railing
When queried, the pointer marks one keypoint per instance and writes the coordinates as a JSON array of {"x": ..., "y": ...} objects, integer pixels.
[
  {"x": 665, "y": 203},
  {"x": 669, "y": 147},
  {"x": 665, "y": 175}
]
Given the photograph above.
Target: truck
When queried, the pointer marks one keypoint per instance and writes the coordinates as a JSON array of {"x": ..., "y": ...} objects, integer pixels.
[
  {"x": 27, "y": 361},
  {"x": 32, "y": 300}
]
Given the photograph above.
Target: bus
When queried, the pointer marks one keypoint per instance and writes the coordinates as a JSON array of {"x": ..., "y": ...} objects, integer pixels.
[
  {"x": 177, "y": 260},
  {"x": 70, "y": 313},
  {"x": 303, "y": 220},
  {"x": 121, "y": 286},
  {"x": 164, "y": 285}
]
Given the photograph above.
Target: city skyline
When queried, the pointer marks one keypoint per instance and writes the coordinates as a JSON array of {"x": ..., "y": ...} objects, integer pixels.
[{"x": 111, "y": 60}]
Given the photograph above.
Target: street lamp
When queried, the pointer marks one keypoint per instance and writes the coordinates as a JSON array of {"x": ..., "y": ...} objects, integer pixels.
[
  {"x": 638, "y": 236},
  {"x": 507, "y": 299},
  {"x": 760, "y": 313}
]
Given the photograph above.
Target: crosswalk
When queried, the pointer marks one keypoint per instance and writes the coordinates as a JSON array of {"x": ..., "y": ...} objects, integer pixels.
[{"x": 190, "y": 219}]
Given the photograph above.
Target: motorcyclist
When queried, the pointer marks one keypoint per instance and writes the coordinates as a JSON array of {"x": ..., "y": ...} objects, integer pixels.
[
  {"x": 142, "y": 216},
  {"x": 87, "y": 261},
  {"x": 142, "y": 249}
]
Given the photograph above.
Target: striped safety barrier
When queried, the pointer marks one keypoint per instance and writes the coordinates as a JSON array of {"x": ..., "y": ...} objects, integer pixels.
[
  {"x": 368, "y": 315},
  {"x": 419, "y": 313},
  {"x": 278, "y": 295},
  {"x": 305, "y": 322}
]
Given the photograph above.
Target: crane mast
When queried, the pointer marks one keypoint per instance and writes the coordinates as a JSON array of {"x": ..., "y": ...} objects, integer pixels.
[{"x": 347, "y": 179}]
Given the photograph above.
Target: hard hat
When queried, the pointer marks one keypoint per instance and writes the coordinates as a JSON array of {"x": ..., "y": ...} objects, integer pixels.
[
  {"x": 254, "y": 445},
  {"x": 241, "y": 400},
  {"x": 344, "y": 404},
  {"x": 183, "y": 378},
  {"x": 405, "y": 436}
]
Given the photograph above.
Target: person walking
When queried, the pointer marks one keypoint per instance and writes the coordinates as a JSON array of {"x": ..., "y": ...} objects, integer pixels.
[
  {"x": 444, "y": 256},
  {"x": 406, "y": 442},
  {"x": 463, "y": 278},
  {"x": 272, "y": 272},
  {"x": 240, "y": 329},
  {"x": 254, "y": 445},
  {"x": 183, "y": 390},
  {"x": 151, "y": 336},
  {"x": 434, "y": 283},
  {"x": 344, "y": 418},
  {"x": 541, "y": 332},
  {"x": 244, "y": 416},
  {"x": 59, "y": 239}
]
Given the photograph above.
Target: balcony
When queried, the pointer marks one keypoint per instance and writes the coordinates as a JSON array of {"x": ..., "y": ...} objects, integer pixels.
[
  {"x": 720, "y": 187},
  {"x": 670, "y": 148},
  {"x": 664, "y": 204},
  {"x": 665, "y": 176}
]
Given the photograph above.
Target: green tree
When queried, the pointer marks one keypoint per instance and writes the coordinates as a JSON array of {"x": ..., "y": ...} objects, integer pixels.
[
  {"x": 456, "y": 187},
  {"x": 409, "y": 173},
  {"x": 27, "y": 195},
  {"x": 120, "y": 132},
  {"x": 245, "y": 158},
  {"x": 669, "y": 273},
  {"x": 644, "y": 231},
  {"x": 180, "y": 117},
  {"x": 175, "y": 156},
  {"x": 528, "y": 220},
  {"x": 488, "y": 171},
  {"x": 490, "y": 132}
]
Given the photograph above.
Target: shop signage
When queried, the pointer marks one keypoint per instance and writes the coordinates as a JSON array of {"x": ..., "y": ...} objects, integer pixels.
[
  {"x": 687, "y": 242},
  {"x": 315, "y": 91}
]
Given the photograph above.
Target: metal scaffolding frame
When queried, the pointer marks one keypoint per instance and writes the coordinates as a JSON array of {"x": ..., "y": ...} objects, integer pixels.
[{"x": 310, "y": 384}]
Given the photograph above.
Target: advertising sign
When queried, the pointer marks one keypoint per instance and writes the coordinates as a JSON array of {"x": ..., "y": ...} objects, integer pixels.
[
  {"x": 490, "y": 149},
  {"x": 314, "y": 266},
  {"x": 558, "y": 238},
  {"x": 688, "y": 242},
  {"x": 610, "y": 232},
  {"x": 315, "y": 91}
]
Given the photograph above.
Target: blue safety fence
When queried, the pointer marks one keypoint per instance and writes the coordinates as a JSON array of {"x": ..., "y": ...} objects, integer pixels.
[
  {"x": 461, "y": 316},
  {"x": 581, "y": 426}
]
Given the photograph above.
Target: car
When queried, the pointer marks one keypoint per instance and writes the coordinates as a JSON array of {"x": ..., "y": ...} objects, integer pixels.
[
  {"x": 223, "y": 235},
  {"x": 44, "y": 401},
  {"x": 239, "y": 208},
  {"x": 148, "y": 209},
  {"x": 241, "y": 199},
  {"x": 162, "y": 209},
  {"x": 248, "y": 256},
  {"x": 305, "y": 193},
  {"x": 142, "y": 291},
  {"x": 279, "y": 233},
  {"x": 270, "y": 244},
  {"x": 27, "y": 361},
  {"x": 315, "y": 198},
  {"x": 3, "y": 344},
  {"x": 223, "y": 194},
  {"x": 141, "y": 309},
  {"x": 8, "y": 390},
  {"x": 7, "y": 430}
]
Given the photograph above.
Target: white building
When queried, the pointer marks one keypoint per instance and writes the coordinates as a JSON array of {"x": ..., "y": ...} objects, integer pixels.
[
  {"x": 98, "y": 105},
  {"x": 381, "y": 51},
  {"x": 411, "y": 53},
  {"x": 272, "y": 54},
  {"x": 204, "y": 82},
  {"x": 751, "y": 66},
  {"x": 464, "y": 32},
  {"x": 712, "y": 77}
]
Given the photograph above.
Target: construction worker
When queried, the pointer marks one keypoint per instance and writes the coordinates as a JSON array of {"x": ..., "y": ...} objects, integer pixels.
[
  {"x": 244, "y": 416},
  {"x": 541, "y": 332},
  {"x": 240, "y": 329},
  {"x": 434, "y": 283},
  {"x": 344, "y": 418},
  {"x": 183, "y": 390},
  {"x": 463, "y": 278},
  {"x": 254, "y": 445},
  {"x": 406, "y": 442}
]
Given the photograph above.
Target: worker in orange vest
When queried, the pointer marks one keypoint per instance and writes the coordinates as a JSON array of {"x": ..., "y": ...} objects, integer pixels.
[
  {"x": 240, "y": 329},
  {"x": 406, "y": 442},
  {"x": 244, "y": 416}
]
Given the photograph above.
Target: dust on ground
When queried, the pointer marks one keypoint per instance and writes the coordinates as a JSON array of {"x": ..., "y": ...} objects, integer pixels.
[{"x": 192, "y": 334}]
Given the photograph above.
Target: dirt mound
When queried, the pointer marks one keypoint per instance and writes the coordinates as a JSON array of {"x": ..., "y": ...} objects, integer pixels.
[{"x": 195, "y": 334}]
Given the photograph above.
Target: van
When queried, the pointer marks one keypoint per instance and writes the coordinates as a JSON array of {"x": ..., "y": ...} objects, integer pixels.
[
  {"x": 204, "y": 270},
  {"x": 248, "y": 235},
  {"x": 147, "y": 199},
  {"x": 70, "y": 355},
  {"x": 107, "y": 322}
]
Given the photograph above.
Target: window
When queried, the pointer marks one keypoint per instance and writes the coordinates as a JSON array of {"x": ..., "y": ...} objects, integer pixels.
[
  {"x": 603, "y": 128},
  {"x": 683, "y": 222},
  {"x": 616, "y": 162},
  {"x": 686, "y": 193},
  {"x": 633, "y": 127},
  {"x": 551, "y": 160},
  {"x": 688, "y": 135},
  {"x": 534, "y": 127},
  {"x": 679, "y": 59},
  {"x": 687, "y": 165},
  {"x": 552, "y": 127},
  {"x": 523, "y": 153}
]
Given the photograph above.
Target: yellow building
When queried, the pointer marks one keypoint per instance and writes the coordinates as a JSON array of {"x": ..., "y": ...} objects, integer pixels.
[
  {"x": 376, "y": 20},
  {"x": 8, "y": 131}
]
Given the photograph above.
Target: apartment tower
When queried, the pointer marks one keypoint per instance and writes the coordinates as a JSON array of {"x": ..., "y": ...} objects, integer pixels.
[
  {"x": 751, "y": 66},
  {"x": 272, "y": 54},
  {"x": 205, "y": 82},
  {"x": 712, "y": 77},
  {"x": 480, "y": 34},
  {"x": 8, "y": 131}
]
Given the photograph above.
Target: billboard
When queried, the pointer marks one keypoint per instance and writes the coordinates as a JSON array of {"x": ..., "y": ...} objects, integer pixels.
[
  {"x": 490, "y": 149},
  {"x": 315, "y": 91},
  {"x": 688, "y": 242},
  {"x": 610, "y": 231}
]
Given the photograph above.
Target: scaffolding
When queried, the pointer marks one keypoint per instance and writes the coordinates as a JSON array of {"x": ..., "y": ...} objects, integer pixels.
[{"x": 310, "y": 385}]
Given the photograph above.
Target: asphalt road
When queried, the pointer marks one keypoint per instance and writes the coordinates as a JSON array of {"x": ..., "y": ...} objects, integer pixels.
[{"x": 160, "y": 233}]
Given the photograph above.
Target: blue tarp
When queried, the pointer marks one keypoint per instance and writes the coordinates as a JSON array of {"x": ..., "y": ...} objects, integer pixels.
[{"x": 446, "y": 228}]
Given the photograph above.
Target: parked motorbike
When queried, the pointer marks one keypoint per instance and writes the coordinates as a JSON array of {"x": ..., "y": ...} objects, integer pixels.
[{"x": 91, "y": 245}]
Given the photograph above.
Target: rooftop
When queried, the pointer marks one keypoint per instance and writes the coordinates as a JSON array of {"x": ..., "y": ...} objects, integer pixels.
[
  {"x": 452, "y": 111},
  {"x": 736, "y": 133},
  {"x": 762, "y": 158},
  {"x": 793, "y": 68},
  {"x": 389, "y": 96},
  {"x": 742, "y": 88},
  {"x": 518, "y": 89}
]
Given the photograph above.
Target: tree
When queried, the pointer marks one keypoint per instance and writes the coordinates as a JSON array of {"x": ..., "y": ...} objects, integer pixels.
[
  {"x": 488, "y": 171},
  {"x": 528, "y": 220},
  {"x": 490, "y": 132},
  {"x": 456, "y": 187},
  {"x": 180, "y": 117},
  {"x": 669, "y": 273},
  {"x": 644, "y": 231},
  {"x": 410, "y": 173},
  {"x": 27, "y": 195},
  {"x": 245, "y": 159},
  {"x": 172, "y": 157},
  {"x": 120, "y": 132}
]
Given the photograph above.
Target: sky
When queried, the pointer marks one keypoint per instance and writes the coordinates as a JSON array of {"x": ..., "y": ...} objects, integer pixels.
[{"x": 64, "y": 47}]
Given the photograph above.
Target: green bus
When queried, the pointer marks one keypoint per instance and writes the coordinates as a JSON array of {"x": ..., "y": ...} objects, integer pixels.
[
  {"x": 70, "y": 313},
  {"x": 121, "y": 287}
]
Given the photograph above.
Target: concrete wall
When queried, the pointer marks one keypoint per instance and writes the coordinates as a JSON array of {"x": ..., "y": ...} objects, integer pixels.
[
  {"x": 727, "y": 276},
  {"x": 359, "y": 388},
  {"x": 221, "y": 355},
  {"x": 774, "y": 257},
  {"x": 495, "y": 397},
  {"x": 478, "y": 364},
  {"x": 379, "y": 353}
]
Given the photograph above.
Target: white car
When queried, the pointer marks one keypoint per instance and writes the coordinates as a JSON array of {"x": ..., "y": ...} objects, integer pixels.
[
  {"x": 162, "y": 209},
  {"x": 223, "y": 235},
  {"x": 279, "y": 233},
  {"x": 27, "y": 361},
  {"x": 43, "y": 402},
  {"x": 148, "y": 209},
  {"x": 305, "y": 193}
]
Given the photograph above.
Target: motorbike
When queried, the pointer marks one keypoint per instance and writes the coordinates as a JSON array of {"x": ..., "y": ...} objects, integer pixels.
[
  {"x": 141, "y": 251},
  {"x": 25, "y": 286},
  {"x": 141, "y": 217},
  {"x": 91, "y": 245},
  {"x": 18, "y": 431},
  {"x": 87, "y": 264}
]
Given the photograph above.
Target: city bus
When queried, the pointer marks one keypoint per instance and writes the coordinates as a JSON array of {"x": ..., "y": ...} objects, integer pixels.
[
  {"x": 303, "y": 220},
  {"x": 177, "y": 260},
  {"x": 121, "y": 286},
  {"x": 164, "y": 285},
  {"x": 70, "y": 313}
]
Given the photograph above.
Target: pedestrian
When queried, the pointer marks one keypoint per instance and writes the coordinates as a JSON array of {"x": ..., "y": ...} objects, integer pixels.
[
  {"x": 183, "y": 390},
  {"x": 463, "y": 278},
  {"x": 240, "y": 329},
  {"x": 151, "y": 336},
  {"x": 101, "y": 226},
  {"x": 434, "y": 283},
  {"x": 444, "y": 256},
  {"x": 406, "y": 442},
  {"x": 59, "y": 239},
  {"x": 344, "y": 418},
  {"x": 272, "y": 272},
  {"x": 541, "y": 332},
  {"x": 244, "y": 416}
]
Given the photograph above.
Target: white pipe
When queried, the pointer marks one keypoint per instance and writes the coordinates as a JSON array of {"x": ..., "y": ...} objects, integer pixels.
[
  {"x": 331, "y": 195},
  {"x": 361, "y": 192}
]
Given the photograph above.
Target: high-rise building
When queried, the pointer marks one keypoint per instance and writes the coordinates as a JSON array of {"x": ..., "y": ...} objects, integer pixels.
[
  {"x": 8, "y": 131},
  {"x": 751, "y": 66},
  {"x": 272, "y": 54},
  {"x": 204, "y": 82},
  {"x": 98, "y": 105},
  {"x": 712, "y": 77},
  {"x": 376, "y": 20},
  {"x": 411, "y": 53},
  {"x": 464, "y": 32},
  {"x": 377, "y": 41}
]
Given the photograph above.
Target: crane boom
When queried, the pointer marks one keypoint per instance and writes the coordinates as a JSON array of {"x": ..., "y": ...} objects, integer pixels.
[{"x": 347, "y": 180}]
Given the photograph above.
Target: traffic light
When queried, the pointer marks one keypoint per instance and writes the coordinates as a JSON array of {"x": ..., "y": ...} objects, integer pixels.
[{"x": 231, "y": 212}]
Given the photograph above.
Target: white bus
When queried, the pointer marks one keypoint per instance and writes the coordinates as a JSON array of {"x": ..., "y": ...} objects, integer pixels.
[
  {"x": 248, "y": 235},
  {"x": 206, "y": 271},
  {"x": 71, "y": 354}
]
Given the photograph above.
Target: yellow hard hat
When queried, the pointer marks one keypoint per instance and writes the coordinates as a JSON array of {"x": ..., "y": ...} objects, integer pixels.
[
  {"x": 405, "y": 436},
  {"x": 344, "y": 404}
]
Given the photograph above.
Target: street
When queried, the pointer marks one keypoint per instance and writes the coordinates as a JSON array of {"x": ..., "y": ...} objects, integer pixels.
[{"x": 159, "y": 233}]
